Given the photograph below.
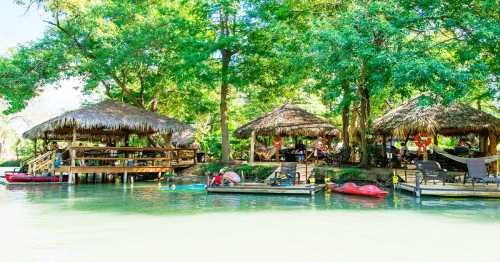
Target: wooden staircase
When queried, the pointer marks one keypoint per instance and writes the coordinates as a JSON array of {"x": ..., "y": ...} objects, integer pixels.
[{"x": 42, "y": 163}]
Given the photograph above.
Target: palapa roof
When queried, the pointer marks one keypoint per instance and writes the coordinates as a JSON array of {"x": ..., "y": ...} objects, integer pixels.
[
  {"x": 454, "y": 119},
  {"x": 106, "y": 119},
  {"x": 288, "y": 120}
]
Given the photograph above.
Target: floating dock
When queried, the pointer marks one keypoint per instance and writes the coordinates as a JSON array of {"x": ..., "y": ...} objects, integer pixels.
[
  {"x": 452, "y": 190},
  {"x": 261, "y": 188}
]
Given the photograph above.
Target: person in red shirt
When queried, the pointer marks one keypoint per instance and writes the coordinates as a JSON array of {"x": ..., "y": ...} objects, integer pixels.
[{"x": 216, "y": 180}]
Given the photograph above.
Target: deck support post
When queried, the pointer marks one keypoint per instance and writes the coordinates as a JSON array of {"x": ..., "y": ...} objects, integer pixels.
[
  {"x": 125, "y": 177},
  {"x": 417, "y": 186},
  {"x": 252, "y": 146},
  {"x": 159, "y": 177},
  {"x": 493, "y": 150},
  {"x": 384, "y": 146},
  {"x": 34, "y": 147},
  {"x": 72, "y": 178}
]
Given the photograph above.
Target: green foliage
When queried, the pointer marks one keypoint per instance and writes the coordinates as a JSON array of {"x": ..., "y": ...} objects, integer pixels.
[
  {"x": 340, "y": 176},
  {"x": 186, "y": 58},
  {"x": 251, "y": 173},
  {"x": 10, "y": 163}
]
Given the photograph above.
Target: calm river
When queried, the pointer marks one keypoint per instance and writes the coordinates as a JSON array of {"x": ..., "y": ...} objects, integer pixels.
[{"x": 142, "y": 223}]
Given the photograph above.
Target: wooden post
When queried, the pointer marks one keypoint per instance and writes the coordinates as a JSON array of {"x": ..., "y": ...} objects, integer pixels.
[
  {"x": 125, "y": 177},
  {"x": 384, "y": 145},
  {"x": 34, "y": 147},
  {"x": 71, "y": 179},
  {"x": 493, "y": 150},
  {"x": 483, "y": 144},
  {"x": 252, "y": 147}
]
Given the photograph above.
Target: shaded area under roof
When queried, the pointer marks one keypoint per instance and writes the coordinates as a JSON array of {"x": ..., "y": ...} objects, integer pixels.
[
  {"x": 288, "y": 120},
  {"x": 413, "y": 117},
  {"x": 107, "y": 119}
]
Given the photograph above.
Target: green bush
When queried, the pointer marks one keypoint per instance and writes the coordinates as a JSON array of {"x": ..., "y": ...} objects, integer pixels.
[
  {"x": 340, "y": 176},
  {"x": 252, "y": 173},
  {"x": 11, "y": 163}
]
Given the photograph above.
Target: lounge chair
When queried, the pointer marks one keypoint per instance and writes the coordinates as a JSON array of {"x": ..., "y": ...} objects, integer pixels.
[
  {"x": 286, "y": 174},
  {"x": 477, "y": 172},
  {"x": 431, "y": 170}
]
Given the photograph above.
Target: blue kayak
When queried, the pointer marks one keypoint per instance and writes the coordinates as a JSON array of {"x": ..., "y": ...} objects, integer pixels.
[{"x": 192, "y": 187}]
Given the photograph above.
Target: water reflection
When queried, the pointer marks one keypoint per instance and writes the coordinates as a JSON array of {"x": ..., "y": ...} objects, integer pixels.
[{"x": 146, "y": 198}]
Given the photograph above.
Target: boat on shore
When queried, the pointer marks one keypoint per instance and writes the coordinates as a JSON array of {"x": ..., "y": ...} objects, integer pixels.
[
  {"x": 353, "y": 189},
  {"x": 22, "y": 178}
]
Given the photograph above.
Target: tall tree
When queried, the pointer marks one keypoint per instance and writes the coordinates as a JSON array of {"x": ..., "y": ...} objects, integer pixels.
[
  {"x": 244, "y": 39},
  {"x": 387, "y": 48}
]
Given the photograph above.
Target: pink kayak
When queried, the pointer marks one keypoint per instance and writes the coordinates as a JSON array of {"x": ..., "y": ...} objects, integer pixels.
[
  {"x": 353, "y": 189},
  {"x": 25, "y": 178}
]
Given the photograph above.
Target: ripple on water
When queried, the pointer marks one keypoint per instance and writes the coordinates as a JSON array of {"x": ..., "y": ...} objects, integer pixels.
[{"x": 148, "y": 199}]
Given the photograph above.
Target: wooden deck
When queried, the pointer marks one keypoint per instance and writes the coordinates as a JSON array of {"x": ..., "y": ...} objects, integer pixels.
[
  {"x": 260, "y": 188},
  {"x": 458, "y": 189},
  {"x": 453, "y": 190}
]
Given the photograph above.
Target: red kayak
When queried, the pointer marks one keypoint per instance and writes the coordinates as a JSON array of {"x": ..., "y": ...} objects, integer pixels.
[
  {"x": 353, "y": 189},
  {"x": 25, "y": 178}
]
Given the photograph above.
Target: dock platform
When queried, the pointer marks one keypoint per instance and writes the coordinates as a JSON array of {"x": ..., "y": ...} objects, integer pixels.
[
  {"x": 457, "y": 189},
  {"x": 261, "y": 188},
  {"x": 453, "y": 190}
]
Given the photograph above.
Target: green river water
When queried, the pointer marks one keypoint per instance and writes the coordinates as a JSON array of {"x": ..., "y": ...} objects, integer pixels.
[{"x": 133, "y": 222}]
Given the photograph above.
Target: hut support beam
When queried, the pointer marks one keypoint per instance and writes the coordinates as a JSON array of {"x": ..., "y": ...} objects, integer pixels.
[
  {"x": 72, "y": 178},
  {"x": 493, "y": 150},
  {"x": 252, "y": 147},
  {"x": 384, "y": 146},
  {"x": 34, "y": 147}
]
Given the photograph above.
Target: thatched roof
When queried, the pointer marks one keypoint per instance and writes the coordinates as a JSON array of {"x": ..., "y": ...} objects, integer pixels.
[
  {"x": 106, "y": 119},
  {"x": 183, "y": 138},
  {"x": 288, "y": 120},
  {"x": 454, "y": 119}
]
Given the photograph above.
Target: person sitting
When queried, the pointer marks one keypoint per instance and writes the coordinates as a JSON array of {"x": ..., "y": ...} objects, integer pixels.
[
  {"x": 462, "y": 148},
  {"x": 216, "y": 180},
  {"x": 230, "y": 177},
  {"x": 300, "y": 154}
]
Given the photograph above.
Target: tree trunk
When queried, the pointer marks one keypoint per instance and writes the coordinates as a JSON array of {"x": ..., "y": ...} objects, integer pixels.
[
  {"x": 224, "y": 91},
  {"x": 345, "y": 115},
  {"x": 363, "y": 122}
]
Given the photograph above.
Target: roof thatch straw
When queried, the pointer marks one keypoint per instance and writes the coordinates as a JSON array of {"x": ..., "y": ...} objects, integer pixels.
[
  {"x": 455, "y": 119},
  {"x": 288, "y": 120},
  {"x": 183, "y": 138},
  {"x": 105, "y": 119}
]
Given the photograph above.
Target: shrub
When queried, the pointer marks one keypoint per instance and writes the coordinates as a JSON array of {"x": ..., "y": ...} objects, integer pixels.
[
  {"x": 340, "y": 176},
  {"x": 11, "y": 163},
  {"x": 252, "y": 173}
]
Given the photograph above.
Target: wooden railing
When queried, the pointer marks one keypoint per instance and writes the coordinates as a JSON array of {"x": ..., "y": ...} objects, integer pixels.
[
  {"x": 131, "y": 156},
  {"x": 43, "y": 162}
]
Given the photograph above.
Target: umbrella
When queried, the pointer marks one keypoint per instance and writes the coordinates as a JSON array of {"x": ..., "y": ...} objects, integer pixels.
[{"x": 232, "y": 176}]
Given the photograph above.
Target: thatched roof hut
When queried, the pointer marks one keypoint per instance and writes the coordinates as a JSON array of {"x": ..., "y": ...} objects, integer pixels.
[
  {"x": 106, "y": 119},
  {"x": 455, "y": 119},
  {"x": 288, "y": 120}
]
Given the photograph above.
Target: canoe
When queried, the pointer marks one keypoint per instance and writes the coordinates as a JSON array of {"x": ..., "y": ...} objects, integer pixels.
[
  {"x": 353, "y": 189},
  {"x": 191, "y": 187},
  {"x": 14, "y": 178}
]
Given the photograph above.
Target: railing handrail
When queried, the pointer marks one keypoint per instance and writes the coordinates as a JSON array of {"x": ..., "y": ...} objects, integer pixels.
[
  {"x": 40, "y": 157},
  {"x": 133, "y": 149}
]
